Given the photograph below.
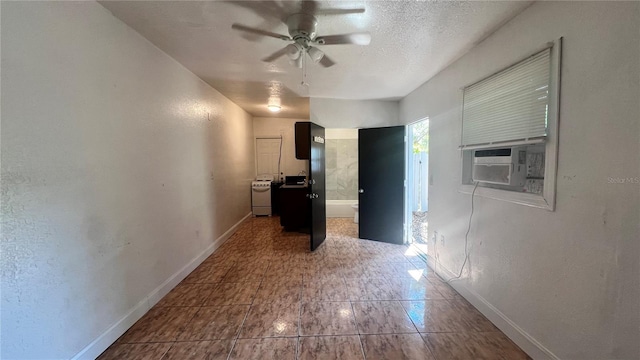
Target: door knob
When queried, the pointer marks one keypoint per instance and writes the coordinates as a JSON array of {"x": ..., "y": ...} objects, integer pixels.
[{"x": 361, "y": 191}]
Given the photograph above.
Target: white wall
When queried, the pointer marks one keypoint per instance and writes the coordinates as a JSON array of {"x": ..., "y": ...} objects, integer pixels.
[
  {"x": 568, "y": 278},
  {"x": 119, "y": 167},
  {"x": 276, "y": 127},
  {"x": 338, "y": 113},
  {"x": 339, "y": 134}
]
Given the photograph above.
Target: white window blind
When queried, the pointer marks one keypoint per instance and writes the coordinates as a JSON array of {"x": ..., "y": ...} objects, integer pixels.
[{"x": 510, "y": 106}]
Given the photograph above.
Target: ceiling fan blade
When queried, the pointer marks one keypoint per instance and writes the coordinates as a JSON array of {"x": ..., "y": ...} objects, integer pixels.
[
  {"x": 339, "y": 11},
  {"x": 362, "y": 38},
  {"x": 311, "y": 7},
  {"x": 259, "y": 32},
  {"x": 275, "y": 55},
  {"x": 326, "y": 61}
]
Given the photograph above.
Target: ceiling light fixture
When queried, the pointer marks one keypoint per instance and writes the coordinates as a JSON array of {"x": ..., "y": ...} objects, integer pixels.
[
  {"x": 298, "y": 62},
  {"x": 293, "y": 51},
  {"x": 315, "y": 54},
  {"x": 274, "y": 108}
]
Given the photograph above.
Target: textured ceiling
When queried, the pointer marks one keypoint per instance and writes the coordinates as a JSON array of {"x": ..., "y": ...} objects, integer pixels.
[{"x": 411, "y": 42}]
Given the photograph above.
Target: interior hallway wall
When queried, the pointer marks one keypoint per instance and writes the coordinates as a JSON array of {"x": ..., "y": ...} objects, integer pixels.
[
  {"x": 353, "y": 114},
  {"x": 276, "y": 127},
  {"x": 568, "y": 278},
  {"x": 119, "y": 167}
]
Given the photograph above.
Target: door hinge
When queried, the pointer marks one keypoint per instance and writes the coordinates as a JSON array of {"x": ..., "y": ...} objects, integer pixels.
[{"x": 405, "y": 138}]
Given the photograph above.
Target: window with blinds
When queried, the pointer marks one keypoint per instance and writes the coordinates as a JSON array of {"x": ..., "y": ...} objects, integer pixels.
[{"x": 509, "y": 107}]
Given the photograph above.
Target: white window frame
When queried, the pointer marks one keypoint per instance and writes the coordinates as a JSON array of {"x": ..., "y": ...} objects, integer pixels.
[{"x": 548, "y": 198}]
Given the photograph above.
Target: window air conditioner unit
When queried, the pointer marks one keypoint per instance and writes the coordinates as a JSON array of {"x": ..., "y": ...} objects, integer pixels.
[{"x": 505, "y": 166}]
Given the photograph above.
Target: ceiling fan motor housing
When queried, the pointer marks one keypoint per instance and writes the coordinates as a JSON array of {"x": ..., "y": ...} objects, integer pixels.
[
  {"x": 302, "y": 35},
  {"x": 302, "y": 27}
]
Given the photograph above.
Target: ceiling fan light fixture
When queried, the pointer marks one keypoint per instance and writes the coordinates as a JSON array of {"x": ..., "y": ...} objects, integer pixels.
[
  {"x": 302, "y": 33},
  {"x": 274, "y": 108},
  {"x": 315, "y": 54},
  {"x": 293, "y": 51},
  {"x": 297, "y": 62}
]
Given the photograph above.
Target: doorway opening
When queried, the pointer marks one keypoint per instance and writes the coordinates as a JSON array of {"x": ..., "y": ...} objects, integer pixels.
[
  {"x": 417, "y": 204},
  {"x": 341, "y": 154}
]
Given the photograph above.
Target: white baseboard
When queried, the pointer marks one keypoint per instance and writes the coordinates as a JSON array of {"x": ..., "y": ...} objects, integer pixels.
[
  {"x": 100, "y": 344},
  {"x": 525, "y": 341}
]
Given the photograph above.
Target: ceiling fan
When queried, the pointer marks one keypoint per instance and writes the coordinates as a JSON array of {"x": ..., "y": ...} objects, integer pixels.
[{"x": 304, "y": 39}]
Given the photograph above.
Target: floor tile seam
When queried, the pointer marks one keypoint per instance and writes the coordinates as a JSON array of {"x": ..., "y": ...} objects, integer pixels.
[
  {"x": 206, "y": 339},
  {"x": 389, "y": 300},
  {"x": 173, "y": 341},
  {"x": 408, "y": 316},
  {"x": 341, "y": 334},
  {"x": 236, "y": 282},
  {"x": 430, "y": 346},
  {"x": 150, "y": 342},
  {"x": 184, "y": 328},
  {"x": 367, "y": 300},
  {"x": 233, "y": 345},
  {"x": 237, "y": 336},
  {"x": 461, "y": 332},
  {"x": 324, "y": 301},
  {"x": 178, "y": 306},
  {"x": 364, "y": 356},
  {"x": 390, "y": 333},
  {"x": 269, "y": 337},
  {"x": 300, "y": 312},
  {"x": 226, "y": 272},
  {"x": 177, "y": 335},
  {"x": 468, "y": 317},
  {"x": 166, "y": 351},
  {"x": 201, "y": 283},
  {"x": 203, "y": 301},
  {"x": 437, "y": 282},
  {"x": 394, "y": 333},
  {"x": 436, "y": 290},
  {"x": 353, "y": 310},
  {"x": 426, "y": 343},
  {"x": 328, "y": 335}
]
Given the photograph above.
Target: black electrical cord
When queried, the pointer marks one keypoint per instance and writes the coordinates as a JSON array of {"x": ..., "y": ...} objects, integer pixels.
[{"x": 280, "y": 158}]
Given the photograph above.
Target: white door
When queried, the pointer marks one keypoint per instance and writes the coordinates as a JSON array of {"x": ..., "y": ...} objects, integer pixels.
[{"x": 268, "y": 157}]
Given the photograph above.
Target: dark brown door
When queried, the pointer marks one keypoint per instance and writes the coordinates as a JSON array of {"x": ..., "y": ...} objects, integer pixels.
[
  {"x": 317, "y": 187},
  {"x": 381, "y": 182}
]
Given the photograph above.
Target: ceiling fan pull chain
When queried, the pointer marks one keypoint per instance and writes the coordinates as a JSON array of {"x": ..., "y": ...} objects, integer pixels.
[{"x": 304, "y": 68}]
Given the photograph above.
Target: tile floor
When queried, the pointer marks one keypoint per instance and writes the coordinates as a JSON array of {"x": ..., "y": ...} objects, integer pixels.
[{"x": 263, "y": 295}]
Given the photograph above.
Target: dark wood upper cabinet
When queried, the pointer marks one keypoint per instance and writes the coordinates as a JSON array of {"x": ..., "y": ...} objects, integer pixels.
[{"x": 303, "y": 140}]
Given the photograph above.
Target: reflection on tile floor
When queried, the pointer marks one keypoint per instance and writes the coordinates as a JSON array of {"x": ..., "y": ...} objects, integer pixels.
[{"x": 263, "y": 295}]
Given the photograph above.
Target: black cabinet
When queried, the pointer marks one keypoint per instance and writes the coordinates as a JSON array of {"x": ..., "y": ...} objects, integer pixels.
[
  {"x": 275, "y": 198},
  {"x": 303, "y": 140},
  {"x": 294, "y": 207}
]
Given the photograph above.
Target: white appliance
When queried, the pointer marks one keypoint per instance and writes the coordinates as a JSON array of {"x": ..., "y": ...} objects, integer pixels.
[
  {"x": 261, "y": 195},
  {"x": 507, "y": 166}
]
